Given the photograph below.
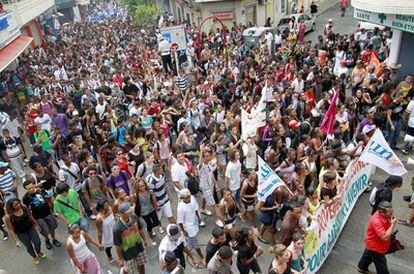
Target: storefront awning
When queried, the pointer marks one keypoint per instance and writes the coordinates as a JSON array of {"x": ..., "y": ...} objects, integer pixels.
[
  {"x": 10, "y": 52},
  {"x": 405, "y": 7}
]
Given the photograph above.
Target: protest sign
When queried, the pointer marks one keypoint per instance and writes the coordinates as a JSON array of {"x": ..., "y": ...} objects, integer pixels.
[
  {"x": 268, "y": 181},
  {"x": 331, "y": 219}
]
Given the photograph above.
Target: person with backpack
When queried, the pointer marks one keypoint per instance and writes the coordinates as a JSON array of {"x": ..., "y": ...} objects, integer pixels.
[
  {"x": 94, "y": 189},
  {"x": 118, "y": 179},
  {"x": 15, "y": 153},
  {"x": 383, "y": 191}
]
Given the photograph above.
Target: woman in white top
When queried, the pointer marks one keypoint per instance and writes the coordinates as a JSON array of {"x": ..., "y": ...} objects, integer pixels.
[
  {"x": 105, "y": 222},
  {"x": 83, "y": 260},
  {"x": 342, "y": 118}
]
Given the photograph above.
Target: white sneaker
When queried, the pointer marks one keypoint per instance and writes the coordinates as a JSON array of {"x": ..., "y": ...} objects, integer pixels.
[
  {"x": 161, "y": 230},
  {"x": 206, "y": 212},
  {"x": 202, "y": 224}
]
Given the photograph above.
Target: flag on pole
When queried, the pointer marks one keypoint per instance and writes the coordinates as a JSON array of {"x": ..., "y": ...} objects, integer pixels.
[
  {"x": 379, "y": 153},
  {"x": 328, "y": 121},
  {"x": 268, "y": 181}
]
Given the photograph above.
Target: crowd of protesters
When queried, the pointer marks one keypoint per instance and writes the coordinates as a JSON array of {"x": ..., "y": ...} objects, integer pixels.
[{"x": 117, "y": 134}]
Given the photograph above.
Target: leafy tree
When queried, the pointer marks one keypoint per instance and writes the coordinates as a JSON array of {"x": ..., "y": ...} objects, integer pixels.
[{"x": 145, "y": 13}]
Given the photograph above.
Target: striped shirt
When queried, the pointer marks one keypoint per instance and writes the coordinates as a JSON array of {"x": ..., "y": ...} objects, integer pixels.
[
  {"x": 157, "y": 187},
  {"x": 181, "y": 82},
  {"x": 6, "y": 180}
]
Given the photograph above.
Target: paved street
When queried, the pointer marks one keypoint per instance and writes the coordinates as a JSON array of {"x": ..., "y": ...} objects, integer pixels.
[{"x": 343, "y": 259}]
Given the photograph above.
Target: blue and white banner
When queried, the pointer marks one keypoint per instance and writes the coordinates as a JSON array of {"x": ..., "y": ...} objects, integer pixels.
[
  {"x": 268, "y": 181},
  {"x": 379, "y": 153}
]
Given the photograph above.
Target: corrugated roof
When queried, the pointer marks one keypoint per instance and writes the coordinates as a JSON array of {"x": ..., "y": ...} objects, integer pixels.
[{"x": 405, "y": 7}]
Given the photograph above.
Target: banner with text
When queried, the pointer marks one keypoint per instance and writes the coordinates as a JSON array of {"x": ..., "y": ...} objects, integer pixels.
[
  {"x": 331, "y": 219},
  {"x": 268, "y": 180}
]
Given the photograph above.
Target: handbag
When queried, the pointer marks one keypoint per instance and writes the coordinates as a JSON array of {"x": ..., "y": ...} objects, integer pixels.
[{"x": 395, "y": 245}]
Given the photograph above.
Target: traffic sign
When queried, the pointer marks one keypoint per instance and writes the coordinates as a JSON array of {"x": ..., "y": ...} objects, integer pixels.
[{"x": 174, "y": 46}]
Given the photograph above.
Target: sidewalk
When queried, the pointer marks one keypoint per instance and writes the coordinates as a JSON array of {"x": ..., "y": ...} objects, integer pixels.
[{"x": 326, "y": 5}]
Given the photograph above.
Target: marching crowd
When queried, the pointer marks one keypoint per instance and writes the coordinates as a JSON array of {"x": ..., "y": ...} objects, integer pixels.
[{"x": 116, "y": 134}]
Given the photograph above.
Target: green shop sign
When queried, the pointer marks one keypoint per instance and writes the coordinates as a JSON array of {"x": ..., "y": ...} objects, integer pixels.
[{"x": 395, "y": 21}]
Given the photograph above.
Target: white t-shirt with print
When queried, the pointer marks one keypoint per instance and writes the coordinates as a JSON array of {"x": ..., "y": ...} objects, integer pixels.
[{"x": 233, "y": 173}]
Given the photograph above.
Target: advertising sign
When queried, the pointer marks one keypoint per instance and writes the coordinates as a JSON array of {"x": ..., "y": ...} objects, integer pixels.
[
  {"x": 9, "y": 29},
  {"x": 396, "y": 21}
]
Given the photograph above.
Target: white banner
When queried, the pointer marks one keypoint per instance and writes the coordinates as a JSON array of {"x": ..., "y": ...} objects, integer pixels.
[
  {"x": 248, "y": 125},
  {"x": 331, "y": 219},
  {"x": 260, "y": 112},
  {"x": 379, "y": 153},
  {"x": 268, "y": 180},
  {"x": 175, "y": 35}
]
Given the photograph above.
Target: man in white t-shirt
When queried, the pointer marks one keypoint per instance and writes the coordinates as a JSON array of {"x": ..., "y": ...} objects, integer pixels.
[
  {"x": 409, "y": 111},
  {"x": 44, "y": 120},
  {"x": 233, "y": 174},
  {"x": 189, "y": 220},
  {"x": 269, "y": 39},
  {"x": 164, "y": 48},
  {"x": 178, "y": 172}
]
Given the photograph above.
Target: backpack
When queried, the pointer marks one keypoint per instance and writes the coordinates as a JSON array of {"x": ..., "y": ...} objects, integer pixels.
[
  {"x": 192, "y": 184},
  {"x": 87, "y": 184},
  {"x": 377, "y": 195}
]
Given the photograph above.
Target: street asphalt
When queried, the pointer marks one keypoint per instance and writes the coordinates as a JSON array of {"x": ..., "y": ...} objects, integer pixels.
[{"x": 343, "y": 258}]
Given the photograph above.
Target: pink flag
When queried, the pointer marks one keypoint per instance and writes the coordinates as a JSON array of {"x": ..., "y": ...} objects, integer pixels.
[{"x": 327, "y": 124}]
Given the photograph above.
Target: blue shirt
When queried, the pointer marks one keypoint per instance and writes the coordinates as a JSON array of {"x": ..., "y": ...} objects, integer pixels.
[{"x": 6, "y": 180}]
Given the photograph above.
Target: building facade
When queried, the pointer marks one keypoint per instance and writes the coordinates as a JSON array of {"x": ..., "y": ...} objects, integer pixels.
[{"x": 398, "y": 15}]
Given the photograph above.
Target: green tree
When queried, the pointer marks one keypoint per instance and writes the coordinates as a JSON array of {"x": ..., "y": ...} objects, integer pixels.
[{"x": 146, "y": 14}]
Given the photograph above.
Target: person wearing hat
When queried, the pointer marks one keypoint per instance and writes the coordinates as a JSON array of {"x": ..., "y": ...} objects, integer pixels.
[
  {"x": 174, "y": 241},
  {"x": 8, "y": 183},
  {"x": 189, "y": 220},
  {"x": 221, "y": 262},
  {"x": 379, "y": 233},
  {"x": 130, "y": 241}
]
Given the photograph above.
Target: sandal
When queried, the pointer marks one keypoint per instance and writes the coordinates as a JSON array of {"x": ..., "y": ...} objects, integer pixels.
[
  {"x": 42, "y": 256},
  {"x": 405, "y": 222},
  {"x": 263, "y": 240},
  {"x": 36, "y": 261}
]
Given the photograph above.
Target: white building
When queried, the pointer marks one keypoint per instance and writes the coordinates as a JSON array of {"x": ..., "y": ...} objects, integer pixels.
[
  {"x": 25, "y": 21},
  {"x": 397, "y": 14}
]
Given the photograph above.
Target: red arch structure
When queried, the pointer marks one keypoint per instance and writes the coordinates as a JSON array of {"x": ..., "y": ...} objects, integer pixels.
[{"x": 199, "y": 42}]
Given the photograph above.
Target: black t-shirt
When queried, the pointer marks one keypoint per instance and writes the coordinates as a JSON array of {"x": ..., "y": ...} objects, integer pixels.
[
  {"x": 246, "y": 252},
  {"x": 211, "y": 250},
  {"x": 396, "y": 109},
  {"x": 37, "y": 204},
  {"x": 328, "y": 192}
]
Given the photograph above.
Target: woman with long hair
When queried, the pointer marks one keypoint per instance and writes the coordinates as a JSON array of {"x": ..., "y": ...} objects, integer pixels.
[
  {"x": 248, "y": 252},
  {"x": 21, "y": 223},
  {"x": 146, "y": 206},
  {"x": 105, "y": 222},
  {"x": 83, "y": 260},
  {"x": 281, "y": 260}
]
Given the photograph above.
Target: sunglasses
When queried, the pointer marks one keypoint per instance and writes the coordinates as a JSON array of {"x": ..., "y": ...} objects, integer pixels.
[{"x": 92, "y": 173}]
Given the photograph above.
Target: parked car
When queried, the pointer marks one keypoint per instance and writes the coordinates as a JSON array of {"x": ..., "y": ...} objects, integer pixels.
[
  {"x": 368, "y": 26},
  {"x": 283, "y": 25},
  {"x": 252, "y": 35}
]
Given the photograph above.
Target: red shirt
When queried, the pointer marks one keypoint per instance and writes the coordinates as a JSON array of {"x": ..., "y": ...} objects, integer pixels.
[{"x": 377, "y": 226}]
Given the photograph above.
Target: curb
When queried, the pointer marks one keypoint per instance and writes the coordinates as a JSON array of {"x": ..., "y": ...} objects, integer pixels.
[{"x": 328, "y": 8}]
